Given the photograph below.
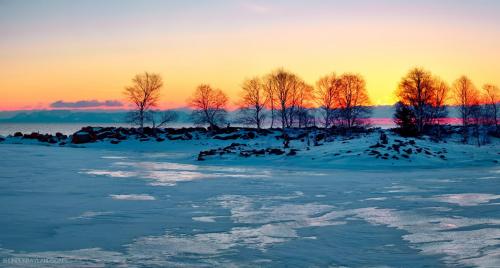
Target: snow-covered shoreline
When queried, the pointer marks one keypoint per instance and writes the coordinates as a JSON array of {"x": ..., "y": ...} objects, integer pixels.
[{"x": 373, "y": 149}]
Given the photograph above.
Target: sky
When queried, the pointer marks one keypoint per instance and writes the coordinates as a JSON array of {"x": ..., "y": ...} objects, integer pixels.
[{"x": 66, "y": 53}]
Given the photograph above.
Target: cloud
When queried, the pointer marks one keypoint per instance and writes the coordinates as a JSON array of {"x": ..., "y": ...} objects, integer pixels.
[{"x": 86, "y": 104}]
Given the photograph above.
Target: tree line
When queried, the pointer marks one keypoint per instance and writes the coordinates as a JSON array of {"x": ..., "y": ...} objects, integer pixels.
[
  {"x": 282, "y": 99},
  {"x": 423, "y": 98}
]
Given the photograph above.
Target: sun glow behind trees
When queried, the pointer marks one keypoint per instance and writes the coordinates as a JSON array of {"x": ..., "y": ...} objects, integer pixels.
[{"x": 52, "y": 51}]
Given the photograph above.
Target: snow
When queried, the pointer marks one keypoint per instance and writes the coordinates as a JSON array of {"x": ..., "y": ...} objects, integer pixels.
[{"x": 151, "y": 204}]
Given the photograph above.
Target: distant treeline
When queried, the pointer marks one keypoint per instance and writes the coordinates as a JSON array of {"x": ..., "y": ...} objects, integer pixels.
[{"x": 120, "y": 116}]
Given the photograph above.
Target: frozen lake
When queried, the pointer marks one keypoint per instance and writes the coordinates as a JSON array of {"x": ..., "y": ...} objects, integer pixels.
[{"x": 75, "y": 207}]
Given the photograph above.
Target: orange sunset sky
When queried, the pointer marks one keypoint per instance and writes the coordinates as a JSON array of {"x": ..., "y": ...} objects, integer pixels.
[{"x": 89, "y": 50}]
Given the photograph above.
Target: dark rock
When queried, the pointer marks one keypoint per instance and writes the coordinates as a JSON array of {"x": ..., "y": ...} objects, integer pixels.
[
  {"x": 227, "y": 130},
  {"x": 292, "y": 152},
  {"x": 114, "y": 141},
  {"x": 275, "y": 151},
  {"x": 378, "y": 145},
  {"x": 408, "y": 151},
  {"x": 412, "y": 142},
  {"x": 104, "y": 135},
  {"x": 230, "y": 137},
  {"x": 396, "y": 147},
  {"x": 202, "y": 154},
  {"x": 32, "y": 136},
  {"x": 81, "y": 137},
  {"x": 259, "y": 152},
  {"x": 144, "y": 139},
  {"x": 2, "y": 139},
  {"x": 119, "y": 137},
  {"x": 245, "y": 154},
  {"x": 148, "y": 131},
  {"x": 249, "y": 135},
  {"x": 319, "y": 137},
  {"x": 61, "y": 136},
  {"x": 160, "y": 139},
  {"x": 405, "y": 156},
  {"x": 18, "y": 134}
]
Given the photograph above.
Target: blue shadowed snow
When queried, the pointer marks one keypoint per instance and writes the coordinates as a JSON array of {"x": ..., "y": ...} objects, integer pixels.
[{"x": 91, "y": 207}]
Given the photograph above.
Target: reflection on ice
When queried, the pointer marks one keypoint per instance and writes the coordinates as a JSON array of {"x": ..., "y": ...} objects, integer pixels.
[
  {"x": 91, "y": 214},
  {"x": 464, "y": 200},
  {"x": 440, "y": 235},
  {"x": 109, "y": 173},
  {"x": 168, "y": 174},
  {"x": 138, "y": 197}
]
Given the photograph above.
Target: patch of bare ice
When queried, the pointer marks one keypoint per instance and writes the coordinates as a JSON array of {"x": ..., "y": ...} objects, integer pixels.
[{"x": 135, "y": 197}]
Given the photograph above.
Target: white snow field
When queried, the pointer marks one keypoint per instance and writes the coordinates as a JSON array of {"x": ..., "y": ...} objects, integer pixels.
[{"x": 152, "y": 204}]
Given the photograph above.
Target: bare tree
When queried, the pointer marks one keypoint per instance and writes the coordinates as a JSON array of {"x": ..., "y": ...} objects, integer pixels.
[
  {"x": 491, "y": 99},
  {"x": 327, "y": 89},
  {"x": 209, "y": 106},
  {"x": 425, "y": 95},
  {"x": 270, "y": 99},
  {"x": 415, "y": 90},
  {"x": 467, "y": 98},
  {"x": 252, "y": 104},
  {"x": 144, "y": 93},
  {"x": 437, "y": 105},
  {"x": 283, "y": 85},
  {"x": 302, "y": 102},
  {"x": 352, "y": 100},
  {"x": 161, "y": 119}
]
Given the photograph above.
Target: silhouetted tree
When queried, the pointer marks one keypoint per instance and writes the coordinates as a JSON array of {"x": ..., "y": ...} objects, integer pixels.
[
  {"x": 437, "y": 105},
  {"x": 209, "y": 106},
  {"x": 144, "y": 93},
  {"x": 300, "y": 102},
  {"x": 270, "y": 98},
  {"x": 491, "y": 99},
  {"x": 252, "y": 104},
  {"x": 352, "y": 100},
  {"x": 283, "y": 84},
  {"x": 424, "y": 94},
  {"x": 327, "y": 90},
  {"x": 466, "y": 97},
  {"x": 405, "y": 119}
]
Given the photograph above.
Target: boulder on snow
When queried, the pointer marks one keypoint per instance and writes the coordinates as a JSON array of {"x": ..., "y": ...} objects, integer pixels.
[
  {"x": 81, "y": 137},
  {"x": 61, "y": 136},
  {"x": 229, "y": 137},
  {"x": 292, "y": 152},
  {"x": 275, "y": 151}
]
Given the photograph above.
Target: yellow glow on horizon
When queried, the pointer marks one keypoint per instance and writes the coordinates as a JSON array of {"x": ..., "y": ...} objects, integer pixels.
[{"x": 34, "y": 75}]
